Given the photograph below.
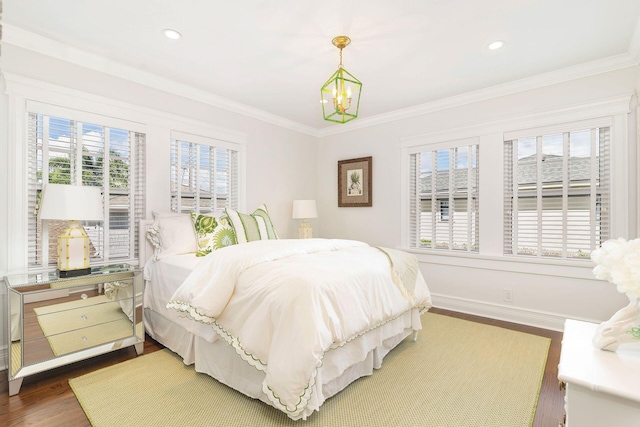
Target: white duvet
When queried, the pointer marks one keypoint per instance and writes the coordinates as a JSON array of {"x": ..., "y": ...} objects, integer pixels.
[{"x": 282, "y": 304}]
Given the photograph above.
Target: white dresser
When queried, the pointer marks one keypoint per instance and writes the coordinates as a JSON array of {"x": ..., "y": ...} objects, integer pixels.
[{"x": 602, "y": 387}]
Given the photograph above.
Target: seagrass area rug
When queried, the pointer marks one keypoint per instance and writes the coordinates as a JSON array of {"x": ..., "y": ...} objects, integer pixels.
[{"x": 458, "y": 373}]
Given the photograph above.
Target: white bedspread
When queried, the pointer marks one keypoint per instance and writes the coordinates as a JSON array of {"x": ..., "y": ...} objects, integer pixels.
[{"x": 282, "y": 304}]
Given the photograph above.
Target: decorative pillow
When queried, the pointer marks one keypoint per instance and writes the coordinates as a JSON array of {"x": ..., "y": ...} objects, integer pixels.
[
  {"x": 175, "y": 235},
  {"x": 250, "y": 227},
  {"x": 153, "y": 236},
  {"x": 212, "y": 233}
]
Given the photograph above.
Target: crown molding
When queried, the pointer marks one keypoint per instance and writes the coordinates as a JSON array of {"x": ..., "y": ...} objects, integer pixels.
[
  {"x": 45, "y": 46},
  {"x": 49, "y": 93},
  {"x": 586, "y": 69}
]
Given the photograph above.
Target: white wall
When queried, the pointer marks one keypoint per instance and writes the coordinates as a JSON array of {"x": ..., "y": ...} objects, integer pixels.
[
  {"x": 544, "y": 293},
  {"x": 284, "y": 165},
  {"x": 280, "y": 163}
]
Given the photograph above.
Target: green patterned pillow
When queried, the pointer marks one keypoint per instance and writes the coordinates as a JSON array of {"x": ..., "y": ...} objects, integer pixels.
[
  {"x": 256, "y": 226},
  {"x": 212, "y": 233}
]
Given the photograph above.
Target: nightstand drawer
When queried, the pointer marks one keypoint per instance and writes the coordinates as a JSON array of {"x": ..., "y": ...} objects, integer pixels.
[
  {"x": 61, "y": 315},
  {"x": 55, "y": 345},
  {"x": 57, "y": 321}
]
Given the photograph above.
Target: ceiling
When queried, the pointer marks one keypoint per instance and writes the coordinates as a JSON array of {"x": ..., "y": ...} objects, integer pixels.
[{"x": 273, "y": 56}]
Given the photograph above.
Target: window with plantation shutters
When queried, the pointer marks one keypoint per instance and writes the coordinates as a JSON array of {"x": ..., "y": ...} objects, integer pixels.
[
  {"x": 204, "y": 174},
  {"x": 557, "y": 191},
  {"x": 443, "y": 188},
  {"x": 66, "y": 150}
]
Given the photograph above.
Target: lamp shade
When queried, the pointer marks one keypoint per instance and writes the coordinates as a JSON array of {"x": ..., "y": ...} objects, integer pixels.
[
  {"x": 71, "y": 202},
  {"x": 304, "y": 209}
]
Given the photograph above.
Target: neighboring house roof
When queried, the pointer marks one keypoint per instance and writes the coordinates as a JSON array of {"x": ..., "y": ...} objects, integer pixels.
[
  {"x": 552, "y": 171},
  {"x": 442, "y": 180}
]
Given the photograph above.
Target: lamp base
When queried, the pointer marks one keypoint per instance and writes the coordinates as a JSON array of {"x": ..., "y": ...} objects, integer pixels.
[
  {"x": 73, "y": 251},
  {"x": 305, "y": 231},
  {"x": 74, "y": 273}
]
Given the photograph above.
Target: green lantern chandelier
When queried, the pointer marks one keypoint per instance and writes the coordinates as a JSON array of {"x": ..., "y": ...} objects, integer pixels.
[{"x": 341, "y": 93}]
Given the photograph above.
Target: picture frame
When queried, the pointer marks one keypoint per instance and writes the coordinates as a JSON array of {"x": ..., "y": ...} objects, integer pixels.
[{"x": 354, "y": 182}]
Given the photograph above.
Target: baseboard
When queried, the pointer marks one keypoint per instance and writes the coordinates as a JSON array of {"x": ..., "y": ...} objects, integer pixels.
[
  {"x": 519, "y": 315},
  {"x": 4, "y": 357}
]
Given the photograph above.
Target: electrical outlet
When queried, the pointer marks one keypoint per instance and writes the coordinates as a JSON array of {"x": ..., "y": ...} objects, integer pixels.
[{"x": 508, "y": 295}]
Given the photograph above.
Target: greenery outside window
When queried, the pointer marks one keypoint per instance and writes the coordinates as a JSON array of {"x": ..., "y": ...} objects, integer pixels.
[{"x": 63, "y": 150}]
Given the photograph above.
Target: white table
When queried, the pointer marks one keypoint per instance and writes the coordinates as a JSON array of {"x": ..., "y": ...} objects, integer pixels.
[{"x": 602, "y": 387}]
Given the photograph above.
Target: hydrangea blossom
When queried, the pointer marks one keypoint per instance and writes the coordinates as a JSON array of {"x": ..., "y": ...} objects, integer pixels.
[{"x": 618, "y": 261}]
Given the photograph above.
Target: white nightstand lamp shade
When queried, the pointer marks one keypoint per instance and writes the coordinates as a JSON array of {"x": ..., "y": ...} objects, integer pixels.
[
  {"x": 305, "y": 209},
  {"x": 73, "y": 203}
]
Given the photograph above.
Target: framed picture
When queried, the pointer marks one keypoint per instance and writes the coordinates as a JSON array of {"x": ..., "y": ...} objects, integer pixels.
[{"x": 354, "y": 182}]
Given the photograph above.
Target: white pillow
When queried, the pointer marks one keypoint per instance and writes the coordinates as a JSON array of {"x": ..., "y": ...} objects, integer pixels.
[
  {"x": 176, "y": 234},
  {"x": 158, "y": 215}
]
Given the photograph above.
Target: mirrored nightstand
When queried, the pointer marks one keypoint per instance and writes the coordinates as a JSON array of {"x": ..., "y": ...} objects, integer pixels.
[{"x": 55, "y": 321}]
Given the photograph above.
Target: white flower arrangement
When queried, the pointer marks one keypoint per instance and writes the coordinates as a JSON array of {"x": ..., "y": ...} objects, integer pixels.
[{"x": 618, "y": 261}]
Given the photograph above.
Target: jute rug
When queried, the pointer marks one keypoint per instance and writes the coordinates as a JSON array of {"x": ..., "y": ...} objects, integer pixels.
[
  {"x": 84, "y": 323},
  {"x": 458, "y": 373}
]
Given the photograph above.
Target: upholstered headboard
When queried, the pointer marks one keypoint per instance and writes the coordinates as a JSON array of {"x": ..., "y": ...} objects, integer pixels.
[{"x": 144, "y": 246}]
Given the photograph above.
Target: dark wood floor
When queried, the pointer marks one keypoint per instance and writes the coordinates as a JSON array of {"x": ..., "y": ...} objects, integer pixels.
[{"x": 45, "y": 399}]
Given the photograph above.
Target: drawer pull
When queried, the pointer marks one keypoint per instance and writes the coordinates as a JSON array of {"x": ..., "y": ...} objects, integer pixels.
[
  {"x": 84, "y": 338},
  {"x": 562, "y": 385},
  {"x": 83, "y": 317},
  {"x": 84, "y": 296}
]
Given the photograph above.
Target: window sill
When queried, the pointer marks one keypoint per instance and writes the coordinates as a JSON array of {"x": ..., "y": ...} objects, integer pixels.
[{"x": 576, "y": 269}]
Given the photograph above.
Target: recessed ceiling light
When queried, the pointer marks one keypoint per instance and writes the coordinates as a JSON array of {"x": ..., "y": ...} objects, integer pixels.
[
  {"x": 496, "y": 45},
  {"x": 172, "y": 34}
]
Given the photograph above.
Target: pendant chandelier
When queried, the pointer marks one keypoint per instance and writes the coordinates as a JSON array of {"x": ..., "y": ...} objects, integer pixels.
[{"x": 341, "y": 93}]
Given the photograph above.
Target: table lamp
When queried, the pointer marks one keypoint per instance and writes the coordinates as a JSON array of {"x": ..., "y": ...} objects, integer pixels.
[
  {"x": 73, "y": 203},
  {"x": 305, "y": 209}
]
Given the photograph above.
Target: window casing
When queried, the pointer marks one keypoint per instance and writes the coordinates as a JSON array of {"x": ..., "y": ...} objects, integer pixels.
[
  {"x": 64, "y": 150},
  {"x": 204, "y": 175},
  {"x": 557, "y": 193},
  {"x": 443, "y": 188}
]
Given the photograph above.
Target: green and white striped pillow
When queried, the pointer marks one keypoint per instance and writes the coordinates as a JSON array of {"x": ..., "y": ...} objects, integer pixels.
[{"x": 250, "y": 227}]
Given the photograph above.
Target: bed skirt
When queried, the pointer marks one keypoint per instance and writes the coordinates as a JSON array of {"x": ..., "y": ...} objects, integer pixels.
[{"x": 341, "y": 366}]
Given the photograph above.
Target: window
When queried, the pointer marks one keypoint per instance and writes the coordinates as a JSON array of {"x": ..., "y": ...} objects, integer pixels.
[
  {"x": 444, "y": 199},
  {"x": 63, "y": 150},
  {"x": 444, "y": 210},
  {"x": 204, "y": 177},
  {"x": 557, "y": 193}
]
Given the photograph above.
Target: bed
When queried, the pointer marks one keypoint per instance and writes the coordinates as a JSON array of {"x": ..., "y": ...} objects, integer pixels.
[{"x": 288, "y": 322}]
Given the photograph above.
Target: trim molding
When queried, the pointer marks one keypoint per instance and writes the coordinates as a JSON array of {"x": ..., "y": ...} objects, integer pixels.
[
  {"x": 45, "y": 46},
  {"x": 586, "y": 69},
  {"x": 523, "y": 316},
  {"x": 4, "y": 357}
]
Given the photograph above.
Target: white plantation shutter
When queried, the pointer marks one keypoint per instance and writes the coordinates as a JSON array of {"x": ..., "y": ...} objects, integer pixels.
[
  {"x": 443, "y": 199},
  {"x": 557, "y": 193},
  {"x": 68, "y": 151},
  {"x": 204, "y": 177}
]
